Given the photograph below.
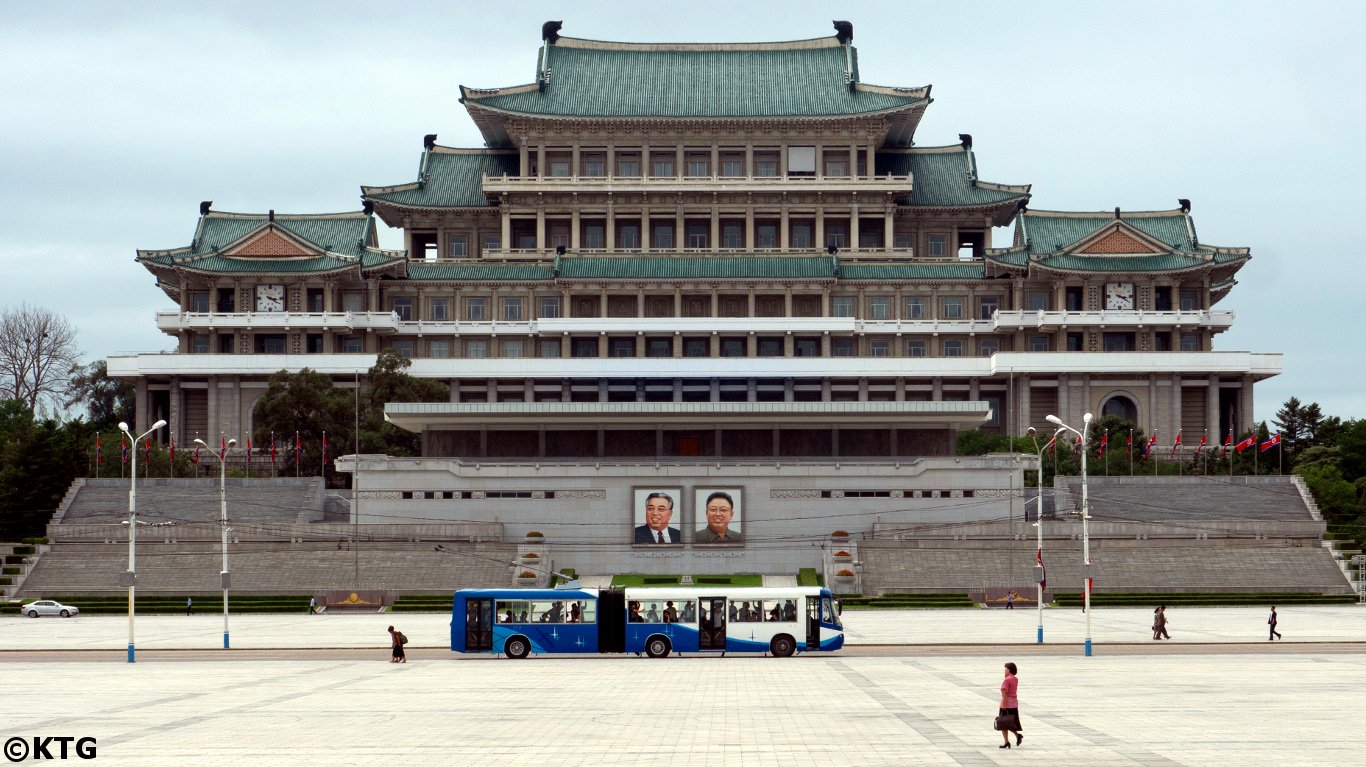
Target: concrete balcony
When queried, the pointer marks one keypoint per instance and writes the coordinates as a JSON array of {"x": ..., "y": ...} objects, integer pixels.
[
  {"x": 379, "y": 322},
  {"x": 889, "y": 184},
  {"x": 1051, "y": 321}
]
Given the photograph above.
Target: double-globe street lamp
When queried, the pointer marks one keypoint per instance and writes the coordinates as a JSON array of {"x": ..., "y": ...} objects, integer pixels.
[
  {"x": 1038, "y": 521},
  {"x": 131, "y": 576},
  {"x": 222, "y": 520},
  {"x": 1085, "y": 519}
]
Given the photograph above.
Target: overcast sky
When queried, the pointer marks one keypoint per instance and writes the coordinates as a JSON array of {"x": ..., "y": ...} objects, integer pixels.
[{"x": 116, "y": 119}]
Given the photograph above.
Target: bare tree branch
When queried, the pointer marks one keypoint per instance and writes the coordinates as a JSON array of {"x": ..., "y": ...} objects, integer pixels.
[{"x": 37, "y": 352}]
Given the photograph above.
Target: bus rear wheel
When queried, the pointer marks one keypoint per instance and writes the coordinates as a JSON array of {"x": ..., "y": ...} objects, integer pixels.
[
  {"x": 658, "y": 647},
  {"x": 517, "y": 647},
  {"x": 782, "y": 646}
]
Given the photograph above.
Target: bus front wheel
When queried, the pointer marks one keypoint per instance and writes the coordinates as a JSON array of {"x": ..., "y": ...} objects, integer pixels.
[
  {"x": 657, "y": 647},
  {"x": 517, "y": 647},
  {"x": 782, "y": 646}
]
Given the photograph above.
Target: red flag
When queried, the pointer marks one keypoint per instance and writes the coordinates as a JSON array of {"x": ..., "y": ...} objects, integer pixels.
[
  {"x": 1177, "y": 443},
  {"x": 1051, "y": 443},
  {"x": 1274, "y": 441},
  {"x": 147, "y": 452},
  {"x": 1200, "y": 446},
  {"x": 223, "y": 447},
  {"x": 1076, "y": 446},
  {"x": 1246, "y": 443},
  {"x": 272, "y": 451},
  {"x": 1148, "y": 448},
  {"x": 195, "y": 459},
  {"x": 1043, "y": 572},
  {"x": 1130, "y": 442},
  {"x": 99, "y": 455},
  {"x": 298, "y": 449},
  {"x": 1228, "y": 442},
  {"x": 123, "y": 449},
  {"x": 248, "y": 453},
  {"x": 1104, "y": 442},
  {"x": 172, "y": 452},
  {"x": 324, "y": 448}
]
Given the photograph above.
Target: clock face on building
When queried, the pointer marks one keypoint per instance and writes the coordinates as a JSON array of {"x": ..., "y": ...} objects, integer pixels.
[
  {"x": 1119, "y": 295},
  {"x": 270, "y": 298}
]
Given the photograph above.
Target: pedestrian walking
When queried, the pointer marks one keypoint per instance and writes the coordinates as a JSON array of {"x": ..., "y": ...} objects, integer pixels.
[
  {"x": 1271, "y": 622},
  {"x": 1010, "y": 600},
  {"x": 397, "y": 640},
  {"x": 189, "y": 605},
  {"x": 1160, "y": 623},
  {"x": 1008, "y": 718},
  {"x": 312, "y": 605}
]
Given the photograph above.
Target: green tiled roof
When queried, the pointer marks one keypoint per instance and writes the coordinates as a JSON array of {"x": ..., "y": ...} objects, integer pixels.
[
  {"x": 697, "y": 267},
  {"x": 592, "y": 79},
  {"x": 448, "y": 178},
  {"x": 344, "y": 238},
  {"x": 913, "y": 271},
  {"x": 1049, "y": 234},
  {"x": 944, "y": 178},
  {"x": 476, "y": 271},
  {"x": 1159, "y": 262}
]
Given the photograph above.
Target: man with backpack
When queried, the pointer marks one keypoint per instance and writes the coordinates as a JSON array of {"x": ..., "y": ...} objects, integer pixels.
[{"x": 397, "y": 640}]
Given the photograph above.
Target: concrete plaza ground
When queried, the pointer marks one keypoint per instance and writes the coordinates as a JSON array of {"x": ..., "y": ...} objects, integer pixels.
[{"x": 913, "y": 687}]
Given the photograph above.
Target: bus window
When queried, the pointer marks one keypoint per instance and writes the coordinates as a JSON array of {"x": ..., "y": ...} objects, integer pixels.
[
  {"x": 780, "y": 610},
  {"x": 828, "y": 614},
  {"x": 548, "y": 611},
  {"x": 513, "y": 611},
  {"x": 745, "y": 612}
]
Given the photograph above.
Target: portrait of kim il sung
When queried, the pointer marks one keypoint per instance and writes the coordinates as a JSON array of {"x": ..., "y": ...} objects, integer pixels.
[
  {"x": 657, "y": 516},
  {"x": 718, "y": 516}
]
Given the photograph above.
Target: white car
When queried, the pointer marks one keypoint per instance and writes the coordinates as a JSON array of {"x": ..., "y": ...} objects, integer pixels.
[{"x": 48, "y": 607}]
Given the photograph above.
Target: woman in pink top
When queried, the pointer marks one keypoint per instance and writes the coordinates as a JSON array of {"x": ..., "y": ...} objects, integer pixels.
[{"x": 1008, "y": 720}]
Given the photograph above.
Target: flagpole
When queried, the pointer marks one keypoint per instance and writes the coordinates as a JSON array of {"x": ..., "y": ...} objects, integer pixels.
[
  {"x": 1130, "y": 450},
  {"x": 1106, "y": 442}
]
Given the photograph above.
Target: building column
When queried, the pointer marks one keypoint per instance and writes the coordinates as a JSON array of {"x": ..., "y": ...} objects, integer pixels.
[
  {"x": 540, "y": 230},
  {"x": 853, "y": 228},
  {"x": 1212, "y": 408}
]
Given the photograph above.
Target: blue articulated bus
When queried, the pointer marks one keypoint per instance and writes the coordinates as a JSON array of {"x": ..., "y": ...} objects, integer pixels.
[{"x": 648, "y": 621}]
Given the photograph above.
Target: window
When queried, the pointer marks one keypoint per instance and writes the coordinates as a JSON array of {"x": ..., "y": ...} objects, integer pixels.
[
  {"x": 732, "y": 165},
  {"x": 878, "y": 308},
  {"x": 732, "y": 236},
  {"x": 199, "y": 302},
  {"x": 559, "y": 168},
  {"x": 843, "y": 347},
  {"x": 766, "y": 164},
  {"x": 513, "y": 348},
  {"x": 663, "y": 236},
  {"x": 594, "y": 164},
  {"x": 628, "y": 165},
  {"x": 493, "y": 242},
  {"x": 1162, "y": 342},
  {"x": 697, "y": 236},
  {"x": 270, "y": 344},
  {"x": 1037, "y": 301},
  {"x": 902, "y": 241},
  {"x": 915, "y": 308},
  {"x": 225, "y": 343},
  {"x": 1188, "y": 301},
  {"x": 988, "y": 346},
  {"x": 801, "y": 236},
  {"x": 313, "y": 300},
  {"x": 1038, "y": 343},
  {"x": 879, "y": 348},
  {"x": 1075, "y": 342},
  {"x": 659, "y": 347},
  {"x": 801, "y": 161},
  {"x": 476, "y": 309},
  {"x": 199, "y": 345},
  {"x": 953, "y": 348},
  {"x": 662, "y": 165},
  {"x": 549, "y": 307},
  {"x": 584, "y": 347},
  {"x": 622, "y": 347},
  {"x": 548, "y": 348},
  {"x": 313, "y": 343},
  {"x": 732, "y": 347},
  {"x": 476, "y": 349},
  {"x": 806, "y": 347},
  {"x": 441, "y": 309},
  {"x": 915, "y": 348},
  {"x": 697, "y": 165},
  {"x": 939, "y": 245},
  {"x": 1118, "y": 342},
  {"x": 353, "y": 345},
  {"x": 835, "y": 236},
  {"x": 696, "y": 347},
  {"x": 986, "y": 307},
  {"x": 1190, "y": 343},
  {"x": 512, "y": 310},
  {"x": 844, "y": 306},
  {"x": 226, "y": 300},
  {"x": 628, "y": 237},
  {"x": 403, "y": 346},
  {"x": 459, "y": 246},
  {"x": 953, "y": 308},
  {"x": 836, "y": 165},
  {"x": 766, "y": 236},
  {"x": 595, "y": 236},
  {"x": 403, "y": 307},
  {"x": 439, "y": 349},
  {"x": 770, "y": 347}
]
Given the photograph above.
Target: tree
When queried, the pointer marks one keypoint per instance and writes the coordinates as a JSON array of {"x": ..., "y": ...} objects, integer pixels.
[
  {"x": 37, "y": 353},
  {"x": 1298, "y": 426},
  {"x": 106, "y": 400},
  {"x": 38, "y": 460}
]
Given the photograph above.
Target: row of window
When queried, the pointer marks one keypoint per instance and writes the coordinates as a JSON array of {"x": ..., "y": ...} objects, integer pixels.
[
  {"x": 802, "y": 161},
  {"x": 764, "y": 346}
]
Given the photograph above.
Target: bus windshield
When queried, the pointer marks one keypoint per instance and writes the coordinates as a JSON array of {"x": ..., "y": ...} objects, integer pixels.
[{"x": 829, "y": 614}]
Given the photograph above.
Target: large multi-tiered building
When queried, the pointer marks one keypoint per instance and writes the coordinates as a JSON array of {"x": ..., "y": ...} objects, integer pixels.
[{"x": 704, "y": 267}]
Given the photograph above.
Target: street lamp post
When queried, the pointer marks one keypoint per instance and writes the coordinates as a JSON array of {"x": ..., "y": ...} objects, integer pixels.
[
  {"x": 1085, "y": 520},
  {"x": 133, "y": 530},
  {"x": 223, "y": 522},
  {"x": 1038, "y": 524}
]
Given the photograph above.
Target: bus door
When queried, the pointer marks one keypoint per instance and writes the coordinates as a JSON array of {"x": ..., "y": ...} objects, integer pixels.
[
  {"x": 478, "y": 624},
  {"x": 711, "y": 624},
  {"x": 611, "y": 620},
  {"x": 813, "y": 623}
]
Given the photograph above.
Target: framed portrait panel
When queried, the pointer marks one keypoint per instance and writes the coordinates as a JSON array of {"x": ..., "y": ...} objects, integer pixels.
[
  {"x": 657, "y": 516},
  {"x": 719, "y": 515}
]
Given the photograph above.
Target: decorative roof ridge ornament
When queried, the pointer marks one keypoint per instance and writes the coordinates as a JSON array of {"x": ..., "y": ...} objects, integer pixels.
[
  {"x": 1186, "y": 217},
  {"x": 204, "y": 207},
  {"x": 550, "y": 33},
  {"x": 844, "y": 32}
]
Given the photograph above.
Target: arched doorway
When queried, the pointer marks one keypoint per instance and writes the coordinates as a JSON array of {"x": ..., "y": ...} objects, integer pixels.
[{"x": 1120, "y": 406}]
